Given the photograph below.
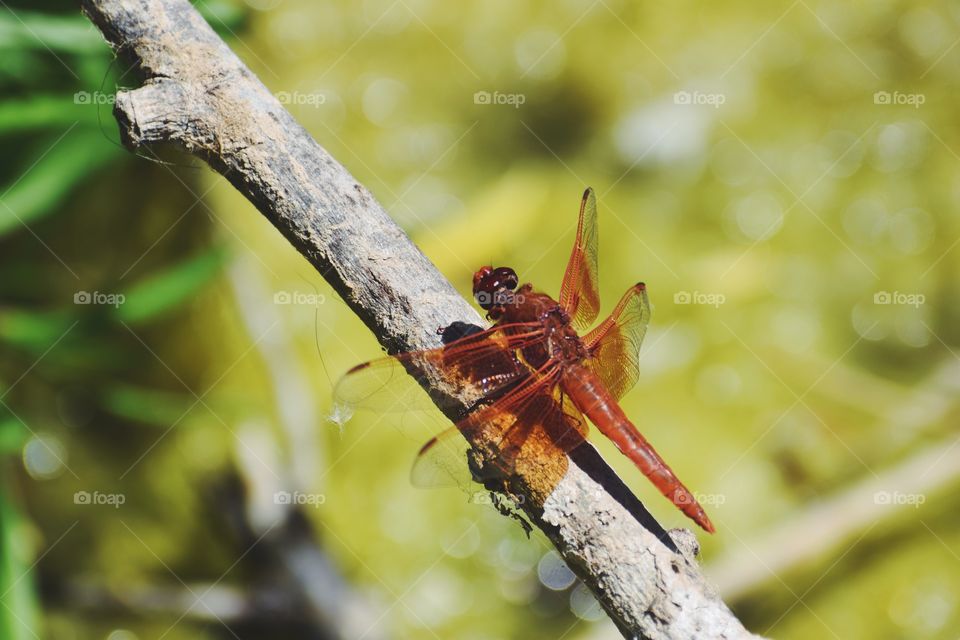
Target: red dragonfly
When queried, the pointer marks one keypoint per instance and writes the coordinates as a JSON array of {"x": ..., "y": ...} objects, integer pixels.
[{"x": 532, "y": 375}]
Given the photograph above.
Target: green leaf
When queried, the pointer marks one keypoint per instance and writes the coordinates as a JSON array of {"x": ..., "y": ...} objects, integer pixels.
[
  {"x": 12, "y": 435},
  {"x": 72, "y": 34},
  {"x": 45, "y": 111},
  {"x": 22, "y": 30},
  {"x": 222, "y": 16},
  {"x": 34, "y": 331},
  {"x": 43, "y": 186},
  {"x": 19, "y": 618},
  {"x": 151, "y": 406},
  {"x": 165, "y": 291}
]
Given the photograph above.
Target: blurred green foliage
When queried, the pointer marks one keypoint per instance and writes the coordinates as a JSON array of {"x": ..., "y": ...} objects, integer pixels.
[
  {"x": 63, "y": 372},
  {"x": 750, "y": 171},
  {"x": 20, "y": 617}
]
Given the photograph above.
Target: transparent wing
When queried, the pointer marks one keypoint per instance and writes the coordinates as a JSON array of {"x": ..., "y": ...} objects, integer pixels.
[
  {"x": 535, "y": 419},
  {"x": 615, "y": 342},
  {"x": 580, "y": 293},
  {"x": 501, "y": 427},
  {"x": 536, "y": 422},
  {"x": 517, "y": 409},
  {"x": 442, "y": 462},
  {"x": 476, "y": 366}
]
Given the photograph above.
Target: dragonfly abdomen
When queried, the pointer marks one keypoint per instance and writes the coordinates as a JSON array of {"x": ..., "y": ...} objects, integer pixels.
[{"x": 593, "y": 399}]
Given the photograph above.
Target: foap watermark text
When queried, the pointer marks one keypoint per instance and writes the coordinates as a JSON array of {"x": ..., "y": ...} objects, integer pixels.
[
  {"x": 699, "y": 297},
  {"x": 714, "y": 100},
  {"x": 98, "y": 498},
  {"x": 496, "y": 98},
  {"x": 299, "y": 498},
  {"x": 914, "y": 100},
  {"x": 899, "y": 297},
  {"x": 99, "y": 297},
  {"x": 299, "y": 297},
  {"x": 899, "y": 498},
  {"x": 298, "y": 98}
]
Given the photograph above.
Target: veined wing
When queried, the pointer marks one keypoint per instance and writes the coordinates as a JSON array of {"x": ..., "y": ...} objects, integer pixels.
[
  {"x": 500, "y": 428},
  {"x": 580, "y": 292},
  {"x": 615, "y": 342},
  {"x": 473, "y": 367},
  {"x": 442, "y": 462},
  {"x": 518, "y": 410},
  {"x": 533, "y": 420}
]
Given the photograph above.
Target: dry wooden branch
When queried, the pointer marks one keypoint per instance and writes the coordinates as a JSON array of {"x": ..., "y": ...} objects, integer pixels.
[{"x": 197, "y": 94}]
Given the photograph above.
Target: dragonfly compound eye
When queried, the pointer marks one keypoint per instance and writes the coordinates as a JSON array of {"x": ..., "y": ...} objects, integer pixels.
[
  {"x": 490, "y": 285},
  {"x": 506, "y": 278}
]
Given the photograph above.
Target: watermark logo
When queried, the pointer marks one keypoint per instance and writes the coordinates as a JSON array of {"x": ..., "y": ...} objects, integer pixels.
[
  {"x": 114, "y": 500},
  {"x": 698, "y": 297},
  {"x": 299, "y": 498},
  {"x": 899, "y": 498},
  {"x": 899, "y": 297},
  {"x": 496, "y": 98},
  {"x": 899, "y": 98},
  {"x": 480, "y": 497},
  {"x": 681, "y": 496},
  {"x": 99, "y": 297},
  {"x": 93, "y": 97},
  {"x": 299, "y": 98},
  {"x": 299, "y": 297},
  {"x": 699, "y": 98},
  {"x": 486, "y": 299},
  {"x": 485, "y": 497}
]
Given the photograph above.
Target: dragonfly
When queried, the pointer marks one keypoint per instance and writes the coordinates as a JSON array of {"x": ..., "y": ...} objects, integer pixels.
[{"x": 533, "y": 379}]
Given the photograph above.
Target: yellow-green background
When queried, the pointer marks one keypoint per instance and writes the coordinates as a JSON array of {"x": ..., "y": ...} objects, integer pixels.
[{"x": 795, "y": 202}]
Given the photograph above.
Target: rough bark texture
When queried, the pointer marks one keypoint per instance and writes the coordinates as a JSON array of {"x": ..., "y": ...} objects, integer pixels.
[{"x": 197, "y": 94}]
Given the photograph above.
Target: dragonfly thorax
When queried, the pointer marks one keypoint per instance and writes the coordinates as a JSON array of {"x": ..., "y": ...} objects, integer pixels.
[{"x": 560, "y": 342}]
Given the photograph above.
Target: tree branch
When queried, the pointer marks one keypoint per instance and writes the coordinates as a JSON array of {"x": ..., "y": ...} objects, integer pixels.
[{"x": 198, "y": 95}]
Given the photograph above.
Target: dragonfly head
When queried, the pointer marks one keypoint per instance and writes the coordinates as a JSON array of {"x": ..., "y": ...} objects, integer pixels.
[{"x": 492, "y": 288}]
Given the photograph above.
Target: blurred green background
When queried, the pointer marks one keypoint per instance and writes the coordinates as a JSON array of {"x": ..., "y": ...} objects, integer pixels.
[{"x": 782, "y": 175}]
